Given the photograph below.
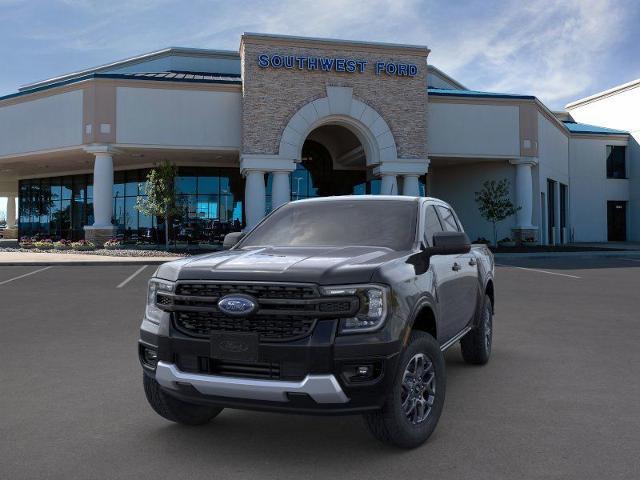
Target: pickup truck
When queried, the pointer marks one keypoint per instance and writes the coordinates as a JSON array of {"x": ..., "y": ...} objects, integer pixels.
[{"x": 335, "y": 305}]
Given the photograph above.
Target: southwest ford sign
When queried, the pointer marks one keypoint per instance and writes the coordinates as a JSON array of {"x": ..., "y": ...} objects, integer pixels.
[{"x": 335, "y": 64}]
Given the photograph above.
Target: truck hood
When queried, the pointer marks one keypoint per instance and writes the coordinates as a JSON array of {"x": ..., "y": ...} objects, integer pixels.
[{"x": 321, "y": 265}]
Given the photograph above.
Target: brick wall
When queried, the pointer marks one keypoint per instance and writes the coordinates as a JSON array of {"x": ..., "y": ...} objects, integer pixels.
[{"x": 271, "y": 96}]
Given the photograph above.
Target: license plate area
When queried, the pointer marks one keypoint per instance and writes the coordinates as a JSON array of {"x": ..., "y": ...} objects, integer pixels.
[{"x": 238, "y": 346}]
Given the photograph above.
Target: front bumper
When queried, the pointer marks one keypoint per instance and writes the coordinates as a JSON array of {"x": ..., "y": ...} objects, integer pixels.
[
  {"x": 320, "y": 388},
  {"x": 311, "y": 374}
]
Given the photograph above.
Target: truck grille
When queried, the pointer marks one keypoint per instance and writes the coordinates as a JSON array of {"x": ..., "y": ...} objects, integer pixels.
[
  {"x": 269, "y": 327},
  {"x": 256, "y": 290},
  {"x": 285, "y": 311}
]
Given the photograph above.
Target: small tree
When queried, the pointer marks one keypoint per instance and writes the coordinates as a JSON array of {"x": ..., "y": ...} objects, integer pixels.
[
  {"x": 161, "y": 199},
  {"x": 494, "y": 203}
]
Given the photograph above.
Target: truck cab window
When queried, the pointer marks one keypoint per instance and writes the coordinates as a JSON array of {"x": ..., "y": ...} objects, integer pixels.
[
  {"x": 431, "y": 224},
  {"x": 449, "y": 222}
]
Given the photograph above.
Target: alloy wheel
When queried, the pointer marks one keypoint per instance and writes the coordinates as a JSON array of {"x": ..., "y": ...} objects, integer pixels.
[{"x": 418, "y": 390}]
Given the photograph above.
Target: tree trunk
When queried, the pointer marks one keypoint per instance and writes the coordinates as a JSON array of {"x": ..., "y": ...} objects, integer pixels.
[
  {"x": 495, "y": 235},
  {"x": 166, "y": 230}
]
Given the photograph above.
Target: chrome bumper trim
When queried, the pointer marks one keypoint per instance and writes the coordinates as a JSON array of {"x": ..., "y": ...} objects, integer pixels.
[{"x": 321, "y": 388}]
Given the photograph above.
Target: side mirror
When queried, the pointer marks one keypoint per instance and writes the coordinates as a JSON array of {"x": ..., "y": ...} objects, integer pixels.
[
  {"x": 450, "y": 243},
  {"x": 230, "y": 239}
]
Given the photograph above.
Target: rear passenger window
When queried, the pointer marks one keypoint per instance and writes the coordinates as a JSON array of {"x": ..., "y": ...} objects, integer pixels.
[
  {"x": 449, "y": 222},
  {"x": 431, "y": 225}
]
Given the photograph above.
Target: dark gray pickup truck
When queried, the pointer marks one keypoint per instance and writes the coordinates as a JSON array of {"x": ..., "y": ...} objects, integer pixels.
[{"x": 337, "y": 305}]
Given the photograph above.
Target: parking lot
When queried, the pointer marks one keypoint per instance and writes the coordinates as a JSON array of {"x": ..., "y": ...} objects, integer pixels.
[{"x": 559, "y": 398}]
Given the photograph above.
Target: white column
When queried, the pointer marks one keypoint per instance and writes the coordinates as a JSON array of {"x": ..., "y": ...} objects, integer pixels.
[
  {"x": 389, "y": 185},
  {"x": 524, "y": 193},
  {"x": 411, "y": 185},
  {"x": 254, "y": 197},
  {"x": 280, "y": 189},
  {"x": 11, "y": 212},
  {"x": 103, "y": 189}
]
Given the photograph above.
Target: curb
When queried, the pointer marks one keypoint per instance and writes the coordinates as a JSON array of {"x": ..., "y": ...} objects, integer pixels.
[
  {"x": 82, "y": 263},
  {"x": 595, "y": 253}
]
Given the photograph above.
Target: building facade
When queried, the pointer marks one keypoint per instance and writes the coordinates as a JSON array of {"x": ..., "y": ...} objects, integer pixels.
[{"x": 288, "y": 118}]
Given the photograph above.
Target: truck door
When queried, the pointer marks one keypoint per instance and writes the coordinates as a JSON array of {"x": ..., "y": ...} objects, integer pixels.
[
  {"x": 465, "y": 272},
  {"x": 445, "y": 279}
]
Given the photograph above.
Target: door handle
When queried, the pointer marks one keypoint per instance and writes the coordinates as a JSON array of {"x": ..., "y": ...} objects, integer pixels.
[
  {"x": 456, "y": 267},
  {"x": 472, "y": 262}
]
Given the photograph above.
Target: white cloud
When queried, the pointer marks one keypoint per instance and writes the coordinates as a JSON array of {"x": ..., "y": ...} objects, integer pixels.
[
  {"x": 553, "y": 49},
  {"x": 550, "y": 49}
]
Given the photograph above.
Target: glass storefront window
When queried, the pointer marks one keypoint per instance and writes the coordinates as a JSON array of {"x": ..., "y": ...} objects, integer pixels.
[{"x": 59, "y": 207}]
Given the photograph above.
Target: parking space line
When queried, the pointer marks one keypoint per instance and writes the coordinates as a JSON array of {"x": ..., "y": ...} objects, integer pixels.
[
  {"x": 539, "y": 271},
  {"x": 25, "y": 275},
  {"x": 132, "y": 276}
]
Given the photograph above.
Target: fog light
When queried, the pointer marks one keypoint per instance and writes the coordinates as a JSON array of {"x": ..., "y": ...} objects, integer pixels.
[
  {"x": 361, "y": 373},
  {"x": 150, "y": 357}
]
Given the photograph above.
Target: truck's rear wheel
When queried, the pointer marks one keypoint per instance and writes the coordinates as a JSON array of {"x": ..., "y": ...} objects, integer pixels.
[
  {"x": 176, "y": 410},
  {"x": 414, "y": 404},
  {"x": 476, "y": 345}
]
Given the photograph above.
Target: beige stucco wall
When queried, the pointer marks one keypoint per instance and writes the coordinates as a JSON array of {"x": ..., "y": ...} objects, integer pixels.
[{"x": 271, "y": 96}]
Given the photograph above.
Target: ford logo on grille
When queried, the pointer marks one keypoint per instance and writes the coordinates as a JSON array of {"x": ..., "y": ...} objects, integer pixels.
[{"x": 237, "y": 305}]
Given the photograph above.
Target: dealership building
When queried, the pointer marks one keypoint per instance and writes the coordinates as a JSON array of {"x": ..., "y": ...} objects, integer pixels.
[{"x": 287, "y": 118}]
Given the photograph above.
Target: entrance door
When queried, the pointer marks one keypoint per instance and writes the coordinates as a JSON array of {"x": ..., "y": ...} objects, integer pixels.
[
  {"x": 551, "y": 211},
  {"x": 617, "y": 221}
]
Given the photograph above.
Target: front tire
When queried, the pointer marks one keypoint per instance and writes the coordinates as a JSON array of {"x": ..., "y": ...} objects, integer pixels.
[
  {"x": 176, "y": 410},
  {"x": 414, "y": 404},
  {"x": 476, "y": 345}
]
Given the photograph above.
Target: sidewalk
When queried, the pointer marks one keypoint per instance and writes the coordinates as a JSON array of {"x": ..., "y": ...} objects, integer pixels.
[{"x": 32, "y": 258}]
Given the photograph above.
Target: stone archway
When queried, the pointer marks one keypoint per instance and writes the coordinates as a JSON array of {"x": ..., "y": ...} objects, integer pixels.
[{"x": 340, "y": 108}]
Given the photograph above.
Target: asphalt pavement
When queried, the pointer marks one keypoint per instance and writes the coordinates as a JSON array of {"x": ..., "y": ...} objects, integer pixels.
[{"x": 559, "y": 398}]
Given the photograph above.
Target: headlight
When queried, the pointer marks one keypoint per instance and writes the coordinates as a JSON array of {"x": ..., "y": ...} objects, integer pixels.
[
  {"x": 153, "y": 313},
  {"x": 372, "y": 313}
]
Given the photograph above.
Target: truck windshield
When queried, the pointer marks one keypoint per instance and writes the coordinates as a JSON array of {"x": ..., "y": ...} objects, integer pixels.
[{"x": 379, "y": 223}]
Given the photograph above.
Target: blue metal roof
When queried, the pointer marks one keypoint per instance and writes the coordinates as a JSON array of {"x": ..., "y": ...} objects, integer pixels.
[
  {"x": 445, "y": 92},
  {"x": 575, "y": 127},
  {"x": 188, "y": 77}
]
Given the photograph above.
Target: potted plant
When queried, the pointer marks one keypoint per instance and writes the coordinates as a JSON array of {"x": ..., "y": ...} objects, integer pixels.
[
  {"x": 83, "y": 245},
  {"x": 62, "y": 244}
]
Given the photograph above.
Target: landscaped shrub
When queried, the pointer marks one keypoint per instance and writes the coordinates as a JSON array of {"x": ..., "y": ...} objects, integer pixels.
[
  {"x": 43, "y": 244},
  {"x": 26, "y": 242},
  {"x": 62, "y": 245},
  {"x": 113, "y": 244},
  {"x": 83, "y": 245}
]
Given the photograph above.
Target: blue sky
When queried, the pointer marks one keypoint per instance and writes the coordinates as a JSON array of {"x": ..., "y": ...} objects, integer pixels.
[{"x": 557, "y": 50}]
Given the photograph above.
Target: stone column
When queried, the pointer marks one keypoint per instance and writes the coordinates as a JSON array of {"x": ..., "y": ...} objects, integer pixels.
[
  {"x": 11, "y": 232},
  {"x": 411, "y": 185},
  {"x": 389, "y": 184},
  {"x": 409, "y": 169},
  {"x": 280, "y": 189},
  {"x": 253, "y": 167},
  {"x": 524, "y": 198},
  {"x": 102, "y": 229},
  {"x": 11, "y": 212},
  {"x": 254, "y": 197}
]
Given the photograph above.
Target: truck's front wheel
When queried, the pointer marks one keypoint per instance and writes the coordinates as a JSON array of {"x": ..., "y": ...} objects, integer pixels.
[
  {"x": 176, "y": 410},
  {"x": 414, "y": 404}
]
